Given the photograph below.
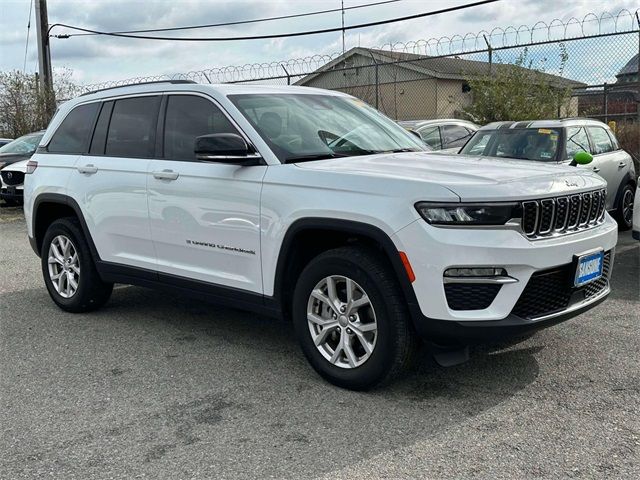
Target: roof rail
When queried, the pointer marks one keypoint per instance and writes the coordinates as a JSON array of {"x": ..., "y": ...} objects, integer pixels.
[{"x": 175, "y": 82}]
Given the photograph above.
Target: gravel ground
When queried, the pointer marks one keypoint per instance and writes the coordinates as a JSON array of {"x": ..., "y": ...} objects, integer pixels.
[{"x": 156, "y": 386}]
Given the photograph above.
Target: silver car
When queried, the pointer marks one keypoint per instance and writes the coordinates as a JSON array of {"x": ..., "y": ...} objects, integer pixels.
[
  {"x": 582, "y": 142},
  {"x": 442, "y": 133}
]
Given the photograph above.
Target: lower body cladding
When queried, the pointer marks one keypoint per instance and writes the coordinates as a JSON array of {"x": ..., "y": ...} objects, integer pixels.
[{"x": 475, "y": 285}]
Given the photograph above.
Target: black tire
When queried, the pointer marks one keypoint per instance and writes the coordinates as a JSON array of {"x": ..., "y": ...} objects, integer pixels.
[
  {"x": 623, "y": 216},
  {"x": 92, "y": 293},
  {"x": 396, "y": 344}
]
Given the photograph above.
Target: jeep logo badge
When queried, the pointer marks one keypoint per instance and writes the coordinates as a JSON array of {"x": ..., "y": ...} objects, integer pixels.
[{"x": 570, "y": 183}]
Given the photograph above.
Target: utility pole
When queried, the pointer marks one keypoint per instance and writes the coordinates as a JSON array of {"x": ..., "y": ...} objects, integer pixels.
[
  {"x": 44, "y": 55},
  {"x": 342, "y": 3}
]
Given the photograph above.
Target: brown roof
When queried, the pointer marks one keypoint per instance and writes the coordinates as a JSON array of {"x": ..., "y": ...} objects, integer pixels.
[{"x": 439, "y": 67}]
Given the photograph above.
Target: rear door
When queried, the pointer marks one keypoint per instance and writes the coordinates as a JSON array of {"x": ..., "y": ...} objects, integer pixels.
[
  {"x": 205, "y": 216},
  {"x": 110, "y": 181}
]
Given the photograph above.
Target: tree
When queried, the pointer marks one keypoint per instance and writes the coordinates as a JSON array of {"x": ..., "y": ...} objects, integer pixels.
[
  {"x": 518, "y": 92},
  {"x": 26, "y": 107}
]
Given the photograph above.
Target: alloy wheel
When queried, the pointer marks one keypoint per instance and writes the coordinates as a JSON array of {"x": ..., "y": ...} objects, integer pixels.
[
  {"x": 342, "y": 321},
  {"x": 64, "y": 266}
]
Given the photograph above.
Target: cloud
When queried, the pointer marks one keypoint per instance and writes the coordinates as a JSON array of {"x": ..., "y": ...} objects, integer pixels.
[{"x": 97, "y": 58}]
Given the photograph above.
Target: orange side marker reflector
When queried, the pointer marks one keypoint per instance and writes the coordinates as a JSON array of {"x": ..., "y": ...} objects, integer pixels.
[{"x": 407, "y": 266}]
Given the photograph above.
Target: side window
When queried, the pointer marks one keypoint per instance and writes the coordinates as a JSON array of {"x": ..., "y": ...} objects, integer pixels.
[
  {"x": 72, "y": 136},
  {"x": 188, "y": 117},
  {"x": 600, "y": 139},
  {"x": 614, "y": 140},
  {"x": 431, "y": 136},
  {"x": 577, "y": 141},
  {"x": 100, "y": 134},
  {"x": 132, "y": 130},
  {"x": 454, "y": 136}
]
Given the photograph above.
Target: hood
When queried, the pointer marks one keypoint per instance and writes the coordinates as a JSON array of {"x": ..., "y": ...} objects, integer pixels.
[
  {"x": 20, "y": 166},
  {"x": 9, "y": 158},
  {"x": 471, "y": 178}
]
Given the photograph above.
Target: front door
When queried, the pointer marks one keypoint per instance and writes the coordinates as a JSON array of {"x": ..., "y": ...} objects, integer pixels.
[
  {"x": 205, "y": 216},
  {"x": 611, "y": 164}
]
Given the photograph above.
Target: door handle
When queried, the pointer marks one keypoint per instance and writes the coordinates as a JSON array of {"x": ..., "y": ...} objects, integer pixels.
[
  {"x": 166, "y": 175},
  {"x": 622, "y": 164},
  {"x": 88, "y": 169},
  {"x": 596, "y": 169}
]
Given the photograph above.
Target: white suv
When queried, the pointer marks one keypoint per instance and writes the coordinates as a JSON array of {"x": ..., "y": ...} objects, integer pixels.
[{"x": 310, "y": 205}]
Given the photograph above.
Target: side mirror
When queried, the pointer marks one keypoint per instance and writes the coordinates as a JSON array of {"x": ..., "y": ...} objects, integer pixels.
[
  {"x": 225, "y": 148},
  {"x": 582, "y": 158}
]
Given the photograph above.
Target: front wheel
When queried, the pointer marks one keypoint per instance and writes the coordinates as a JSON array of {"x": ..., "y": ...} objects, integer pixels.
[
  {"x": 624, "y": 212},
  {"x": 351, "y": 319}
]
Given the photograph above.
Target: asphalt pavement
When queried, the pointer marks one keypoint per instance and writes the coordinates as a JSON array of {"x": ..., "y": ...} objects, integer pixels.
[{"x": 159, "y": 386}]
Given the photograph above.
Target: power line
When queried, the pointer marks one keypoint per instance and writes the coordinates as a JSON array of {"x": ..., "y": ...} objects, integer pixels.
[
  {"x": 277, "y": 35},
  {"x": 26, "y": 46},
  {"x": 244, "y": 22}
]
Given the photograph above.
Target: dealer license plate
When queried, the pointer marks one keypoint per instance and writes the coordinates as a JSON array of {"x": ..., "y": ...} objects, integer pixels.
[{"x": 589, "y": 268}]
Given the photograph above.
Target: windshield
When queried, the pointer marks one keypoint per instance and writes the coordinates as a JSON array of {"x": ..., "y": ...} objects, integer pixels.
[
  {"x": 24, "y": 145},
  {"x": 540, "y": 144},
  {"x": 300, "y": 127}
]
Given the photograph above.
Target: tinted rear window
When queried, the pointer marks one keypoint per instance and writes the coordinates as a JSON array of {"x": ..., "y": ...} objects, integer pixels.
[
  {"x": 72, "y": 136},
  {"x": 132, "y": 130}
]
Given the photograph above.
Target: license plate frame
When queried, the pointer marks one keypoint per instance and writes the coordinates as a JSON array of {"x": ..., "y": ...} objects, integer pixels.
[{"x": 587, "y": 272}]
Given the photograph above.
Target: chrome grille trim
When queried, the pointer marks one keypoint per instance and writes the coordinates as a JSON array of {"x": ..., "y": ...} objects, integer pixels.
[{"x": 563, "y": 215}]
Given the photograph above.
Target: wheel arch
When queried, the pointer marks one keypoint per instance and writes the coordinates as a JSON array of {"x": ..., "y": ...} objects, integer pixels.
[
  {"x": 47, "y": 208},
  {"x": 627, "y": 179},
  {"x": 295, "y": 253}
]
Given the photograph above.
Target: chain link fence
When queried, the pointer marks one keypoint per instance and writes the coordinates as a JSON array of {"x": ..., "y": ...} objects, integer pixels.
[{"x": 593, "y": 61}]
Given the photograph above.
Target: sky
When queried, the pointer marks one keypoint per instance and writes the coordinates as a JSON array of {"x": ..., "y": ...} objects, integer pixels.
[{"x": 95, "y": 59}]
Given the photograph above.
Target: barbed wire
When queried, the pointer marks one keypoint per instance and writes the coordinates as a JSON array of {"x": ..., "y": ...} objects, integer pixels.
[{"x": 590, "y": 26}]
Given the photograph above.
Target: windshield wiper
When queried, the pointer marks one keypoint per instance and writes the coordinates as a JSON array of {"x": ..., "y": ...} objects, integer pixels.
[{"x": 317, "y": 156}]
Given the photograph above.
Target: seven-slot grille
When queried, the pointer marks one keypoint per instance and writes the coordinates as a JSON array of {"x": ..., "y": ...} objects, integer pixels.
[
  {"x": 12, "y": 178},
  {"x": 563, "y": 214}
]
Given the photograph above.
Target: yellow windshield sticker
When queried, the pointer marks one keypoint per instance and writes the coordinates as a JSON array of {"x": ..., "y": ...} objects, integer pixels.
[
  {"x": 554, "y": 137},
  {"x": 545, "y": 131}
]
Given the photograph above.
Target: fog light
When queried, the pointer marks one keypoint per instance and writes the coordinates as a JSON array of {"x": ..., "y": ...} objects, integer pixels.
[{"x": 475, "y": 272}]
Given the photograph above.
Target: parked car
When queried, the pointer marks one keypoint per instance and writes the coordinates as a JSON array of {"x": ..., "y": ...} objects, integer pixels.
[
  {"x": 20, "y": 149},
  {"x": 16, "y": 152},
  {"x": 636, "y": 213},
  {"x": 12, "y": 182},
  {"x": 310, "y": 205},
  {"x": 559, "y": 142},
  {"x": 4, "y": 141},
  {"x": 442, "y": 134}
]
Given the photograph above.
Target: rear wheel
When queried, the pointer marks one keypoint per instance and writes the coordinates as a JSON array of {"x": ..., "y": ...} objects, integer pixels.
[
  {"x": 68, "y": 269},
  {"x": 624, "y": 212},
  {"x": 351, "y": 319}
]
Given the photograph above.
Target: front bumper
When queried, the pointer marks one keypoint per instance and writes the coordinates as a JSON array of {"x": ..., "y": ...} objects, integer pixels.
[
  {"x": 445, "y": 332},
  {"x": 16, "y": 195},
  {"x": 433, "y": 250}
]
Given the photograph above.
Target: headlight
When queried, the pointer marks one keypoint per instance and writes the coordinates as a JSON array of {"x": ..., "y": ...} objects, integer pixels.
[{"x": 467, "y": 214}]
